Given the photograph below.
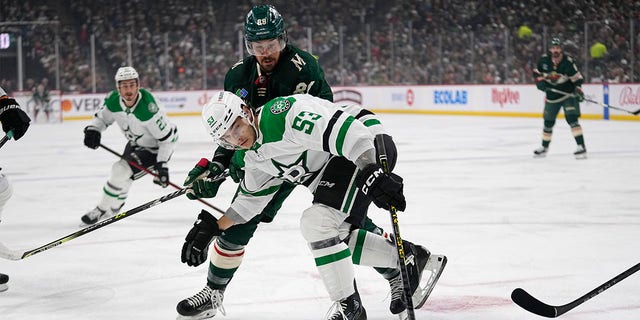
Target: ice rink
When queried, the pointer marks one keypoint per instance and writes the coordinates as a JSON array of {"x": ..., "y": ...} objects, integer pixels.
[{"x": 557, "y": 227}]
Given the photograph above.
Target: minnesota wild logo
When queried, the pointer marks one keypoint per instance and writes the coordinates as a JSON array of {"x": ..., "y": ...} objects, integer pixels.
[{"x": 280, "y": 106}]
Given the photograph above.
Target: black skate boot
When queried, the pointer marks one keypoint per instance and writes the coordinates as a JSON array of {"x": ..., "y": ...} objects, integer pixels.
[
  {"x": 3, "y": 282},
  {"x": 204, "y": 304},
  {"x": 418, "y": 260},
  {"x": 349, "y": 308}
]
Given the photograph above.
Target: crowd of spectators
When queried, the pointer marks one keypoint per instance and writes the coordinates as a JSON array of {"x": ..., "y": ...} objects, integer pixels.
[{"x": 186, "y": 45}]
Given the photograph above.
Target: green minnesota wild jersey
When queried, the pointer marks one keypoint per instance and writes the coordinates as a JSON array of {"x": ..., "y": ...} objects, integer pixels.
[
  {"x": 144, "y": 124},
  {"x": 564, "y": 76},
  {"x": 297, "y": 72},
  {"x": 298, "y": 135}
]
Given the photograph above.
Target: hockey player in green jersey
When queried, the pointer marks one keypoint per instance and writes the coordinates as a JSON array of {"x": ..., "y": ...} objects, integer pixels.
[
  {"x": 558, "y": 76},
  {"x": 305, "y": 140},
  {"x": 274, "y": 69},
  {"x": 151, "y": 140}
]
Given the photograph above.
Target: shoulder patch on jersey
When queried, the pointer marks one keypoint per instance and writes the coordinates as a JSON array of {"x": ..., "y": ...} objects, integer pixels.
[
  {"x": 153, "y": 108},
  {"x": 279, "y": 106}
]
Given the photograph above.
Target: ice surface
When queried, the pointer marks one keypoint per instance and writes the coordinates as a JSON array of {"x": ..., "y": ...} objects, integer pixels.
[{"x": 557, "y": 226}]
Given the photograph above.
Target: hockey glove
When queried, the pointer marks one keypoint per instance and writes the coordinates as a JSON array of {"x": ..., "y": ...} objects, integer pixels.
[
  {"x": 196, "y": 244},
  {"x": 199, "y": 185},
  {"x": 13, "y": 118},
  {"x": 579, "y": 94},
  {"x": 162, "y": 171},
  {"x": 384, "y": 189},
  {"x": 92, "y": 137},
  {"x": 236, "y": 172}
]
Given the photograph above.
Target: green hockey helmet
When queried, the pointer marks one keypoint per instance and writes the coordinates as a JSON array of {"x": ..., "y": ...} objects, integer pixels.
[
  {"x": 264, "y": 22},
  {"x": 555, "y": 42}
]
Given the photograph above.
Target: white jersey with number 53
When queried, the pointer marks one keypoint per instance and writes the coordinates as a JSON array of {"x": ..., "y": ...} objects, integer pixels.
[{"x": 298, "y": 135}]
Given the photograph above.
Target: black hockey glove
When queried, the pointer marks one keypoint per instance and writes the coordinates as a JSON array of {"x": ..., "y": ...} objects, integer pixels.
[
  {"x": 384, "y": 189},
  {"x": 13, "y": 118},
  {"x": 162, "y": 171},
  {"x": 196, "y": 244},
  {"x": 92, "y": 137},
  {"x": 199, "y": 185}
]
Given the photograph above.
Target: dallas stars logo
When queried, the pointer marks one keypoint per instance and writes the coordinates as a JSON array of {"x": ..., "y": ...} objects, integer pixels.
[{"x": 296, "y": 172}]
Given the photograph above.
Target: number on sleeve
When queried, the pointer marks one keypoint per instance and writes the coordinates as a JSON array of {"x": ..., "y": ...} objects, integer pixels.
[{"x": 161, "y": 123}]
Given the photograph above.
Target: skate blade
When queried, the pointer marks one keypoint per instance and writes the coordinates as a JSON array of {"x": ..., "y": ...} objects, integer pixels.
[
  {"x": 434, "y": 266},
  {"x": 203, "y": 315},
  {"x": 581, "y": 156}
]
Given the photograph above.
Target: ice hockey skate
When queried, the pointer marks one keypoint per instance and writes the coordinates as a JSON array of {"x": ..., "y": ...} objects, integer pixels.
[
  {"x": 203, "y": 305},
  {"x": 540, "y": 152},
  {"x": 581, "y": 152},
  {"x": 97, "y": 214},
  {"x": 419, "y": 262},
  {"x": 349, "y": 308},
  {"x": 3, "y": 282}
]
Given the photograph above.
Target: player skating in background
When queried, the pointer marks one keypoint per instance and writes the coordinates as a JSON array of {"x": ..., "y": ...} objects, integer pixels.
[
  {"x": 17, "y": 121},
  {"x": 151, "y": 139},
  {"x": 41, "y": 101},
  {"x": 328, "y": 148},
  {"x": 275, "y": 68},
  {"x": 558, "y": 76}
]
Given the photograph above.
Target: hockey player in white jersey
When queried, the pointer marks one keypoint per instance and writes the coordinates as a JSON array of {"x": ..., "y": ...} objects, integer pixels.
[
  {"x": 15, "y": 122},
  {"x": 330, "y": 150},
  {"x": 151, "y": 140}
]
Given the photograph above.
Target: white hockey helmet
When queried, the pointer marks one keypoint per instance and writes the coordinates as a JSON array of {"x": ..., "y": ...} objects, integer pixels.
[
  {"x": 126, "y": 73},
  {"x": 219, "y": 114}
]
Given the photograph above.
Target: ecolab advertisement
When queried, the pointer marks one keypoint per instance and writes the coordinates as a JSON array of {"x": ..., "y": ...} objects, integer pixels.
[{"x": 493, "y": 100}]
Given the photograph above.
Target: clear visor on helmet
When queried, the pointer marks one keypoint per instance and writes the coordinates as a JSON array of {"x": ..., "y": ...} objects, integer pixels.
[
  {"x": 231, "y": 138},
  {"x": 265, "y": 47}
]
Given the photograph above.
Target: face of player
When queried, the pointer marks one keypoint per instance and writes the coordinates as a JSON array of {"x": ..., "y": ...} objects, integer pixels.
[
  {"x": 128, "y": 90},
  {"x": 267, "y": 52},
  {"x": 556, "y": 52},
  {"x": 241, "y": 135}
]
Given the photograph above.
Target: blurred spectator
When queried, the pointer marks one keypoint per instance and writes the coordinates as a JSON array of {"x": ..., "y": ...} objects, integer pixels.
[{"x": 181, "y": 44}]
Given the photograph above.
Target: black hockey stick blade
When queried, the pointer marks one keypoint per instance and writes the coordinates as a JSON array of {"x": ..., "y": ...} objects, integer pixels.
[{"x": 533, "y": 305}]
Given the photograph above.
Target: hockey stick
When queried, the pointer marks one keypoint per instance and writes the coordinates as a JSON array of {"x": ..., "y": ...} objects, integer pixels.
[
  {"x": 533, "y": 305},
  {"x": 635, "y": 113},
  {"x": 382, "y": 157},
  {"x": 6, "y": 138},
  {"x": 133, "y": 163},
  {"x": 6, "y": 253}
]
